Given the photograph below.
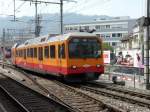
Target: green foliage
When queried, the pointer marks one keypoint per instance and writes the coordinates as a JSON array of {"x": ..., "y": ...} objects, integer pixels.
[{"x": 106, "y": 46}]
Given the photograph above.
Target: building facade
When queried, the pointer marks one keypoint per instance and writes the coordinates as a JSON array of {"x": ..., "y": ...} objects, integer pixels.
[
  {"x": 110, "y": 30},
  {"x": 134, "y": 41}
]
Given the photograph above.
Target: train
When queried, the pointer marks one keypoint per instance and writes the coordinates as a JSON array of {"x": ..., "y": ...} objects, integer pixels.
[
  {"x": 73, "y": 56},
  {"x": 6, "y": 53}
]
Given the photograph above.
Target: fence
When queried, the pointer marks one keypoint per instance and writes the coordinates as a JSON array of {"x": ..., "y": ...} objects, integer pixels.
[{"x": 131, "y": 75}]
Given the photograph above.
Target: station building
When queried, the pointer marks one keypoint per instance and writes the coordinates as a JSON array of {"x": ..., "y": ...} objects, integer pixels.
[{"x": 111, "y": 30}]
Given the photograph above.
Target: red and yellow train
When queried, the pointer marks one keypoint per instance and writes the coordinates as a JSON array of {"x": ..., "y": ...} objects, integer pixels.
[{"x": 71, "y": 56}]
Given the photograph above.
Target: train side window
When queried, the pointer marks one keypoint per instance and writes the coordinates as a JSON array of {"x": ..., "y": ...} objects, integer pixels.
[
  {"x": 28, "y": 52},
  {"x": 35, "y": 52},
  {"x": 59, "y": 54},
  {"x": 40, "y": 52},
  {"x": 24, "y": 53},
  {"x": 52, "y": 51},
  {"x": 31, "y": 52},
  {"x": 46, "y": 51},
  {"x": 16, "y": 53},
  {"x": 21, "y": 53},
  {"x": 61, "y": 51}
]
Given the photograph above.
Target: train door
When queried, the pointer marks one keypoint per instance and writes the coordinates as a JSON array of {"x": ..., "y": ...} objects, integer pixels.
[
  {"x": 31, "y": 52},
  {"x": 62, "y": 58},
  {"x": 46, "y": 58},
  {"x": 53, "y": 63},
  {"x": 35, "y": 58},
  {"x": 25, "y": 56},
  {"x": 40, "y": 58}
]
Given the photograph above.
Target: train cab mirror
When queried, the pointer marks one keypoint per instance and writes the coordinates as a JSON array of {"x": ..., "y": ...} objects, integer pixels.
[
  {"x": 98, "y": 54},
  {"x": 62, "y": 51}
]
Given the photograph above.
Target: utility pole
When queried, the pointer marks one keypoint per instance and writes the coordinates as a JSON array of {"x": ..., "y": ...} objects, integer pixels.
[
  {"x": 61, "y": 16},
  {"x": 14, "y": 10},
  {"x": 36, "y": 25},
  {"x": 3, "y": 47},
  {"x": 36, "y": 2},
  {"x": 147, "y": 47}
]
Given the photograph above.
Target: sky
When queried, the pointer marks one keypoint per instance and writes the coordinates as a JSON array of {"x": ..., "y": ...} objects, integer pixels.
[{"x": 132, "y": 8}]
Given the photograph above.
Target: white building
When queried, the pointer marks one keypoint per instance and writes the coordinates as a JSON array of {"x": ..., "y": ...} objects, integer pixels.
[
  {"x": 110, "y": 30},
  {"x": 134, "y": 41}
]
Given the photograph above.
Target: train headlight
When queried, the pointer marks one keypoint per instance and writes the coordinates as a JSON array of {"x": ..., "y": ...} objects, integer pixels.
[
  {"x": 98, "y": 66},
  {"x": 74, "y": 67}
]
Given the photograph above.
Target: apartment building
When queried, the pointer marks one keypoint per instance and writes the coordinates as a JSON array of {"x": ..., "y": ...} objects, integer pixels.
[{"x": 110, "y": 30}]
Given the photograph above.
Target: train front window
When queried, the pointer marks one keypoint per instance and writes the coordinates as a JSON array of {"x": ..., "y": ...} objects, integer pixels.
[{"x": 84, "y": 48}]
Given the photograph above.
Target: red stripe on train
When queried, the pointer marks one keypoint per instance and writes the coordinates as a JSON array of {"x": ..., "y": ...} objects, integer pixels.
[{"x": 62, "y": 70}]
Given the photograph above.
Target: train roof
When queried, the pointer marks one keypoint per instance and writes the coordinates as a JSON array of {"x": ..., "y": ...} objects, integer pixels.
[
  {"x": 48, "y": 38},
  {"x": 15, "y": 45}
]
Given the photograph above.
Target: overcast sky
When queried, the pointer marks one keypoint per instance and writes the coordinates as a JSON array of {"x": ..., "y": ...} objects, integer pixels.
[{"x": 132, "y": 8}]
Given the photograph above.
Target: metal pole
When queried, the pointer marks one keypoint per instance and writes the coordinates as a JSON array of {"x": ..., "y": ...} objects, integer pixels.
[
  {"x": 146, "y": 48},
  {"x": 36, "y": 31},
  {"x": 134, "y": 80},
  {"x": 61, "y": 16},
  {"x": 3, "y": 47},
  {"x": 14, "y": 10}
]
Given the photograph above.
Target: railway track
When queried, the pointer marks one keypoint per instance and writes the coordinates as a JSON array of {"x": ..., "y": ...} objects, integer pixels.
[
  {"x": 6, "y": 100},
  {"x": 122, "y": 89},
  {"x": 118, "y": 93},
  {"x": 76, "y": 100},
  {"x": 27, "y": 99},
  {"x": 81, "y": 101}
]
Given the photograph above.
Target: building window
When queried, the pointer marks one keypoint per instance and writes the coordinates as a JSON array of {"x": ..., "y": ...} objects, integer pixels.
[
  {"x": 113, "y": 35},
  {"x": 113, "y": 43},
  {"x": 107, "y": 26},
  {"x": 71, "y": 28},
  {"x": 102, "y": 35},
  {"x": 86, "y": 27},
  {"x": 52, "y": 51},
  {"x": 107, "y": 35},
  {"x": 119, "y": 35},
  {"x": 97, "y": 27},
  {"x": 102, "y": 27},
  {"x": 46, "y": 51},
  {"x": 75, "y": 28}
]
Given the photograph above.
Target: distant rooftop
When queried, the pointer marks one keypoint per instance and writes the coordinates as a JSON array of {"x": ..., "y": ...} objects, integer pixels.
[
  {"x": 104, "y": 20},
  {"x": 113, "y": 18}
]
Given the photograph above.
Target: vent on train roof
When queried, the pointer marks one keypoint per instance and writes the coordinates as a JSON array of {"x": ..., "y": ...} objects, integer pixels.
[
  {"x": 43, "y": 39},
  {"x": 26, "y": 43}
]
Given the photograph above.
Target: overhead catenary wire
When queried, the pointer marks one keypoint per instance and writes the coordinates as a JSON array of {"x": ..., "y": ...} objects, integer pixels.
[
  {"x": 48, "y": 2},
  {"x": 20, "y": 6}
]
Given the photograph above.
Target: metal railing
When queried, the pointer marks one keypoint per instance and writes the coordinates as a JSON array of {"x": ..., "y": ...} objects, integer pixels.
[{"x": 132, "y": 76}]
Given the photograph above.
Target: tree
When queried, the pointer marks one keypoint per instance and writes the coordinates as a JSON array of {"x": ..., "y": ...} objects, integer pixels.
[{"x": 106, "y": 46}]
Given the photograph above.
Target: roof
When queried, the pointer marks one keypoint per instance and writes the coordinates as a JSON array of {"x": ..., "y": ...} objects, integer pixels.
[
  {"x": 102, "y": 21},
  {"x": 15, "y": 45},
  {"x": 48, "y": 38}
]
